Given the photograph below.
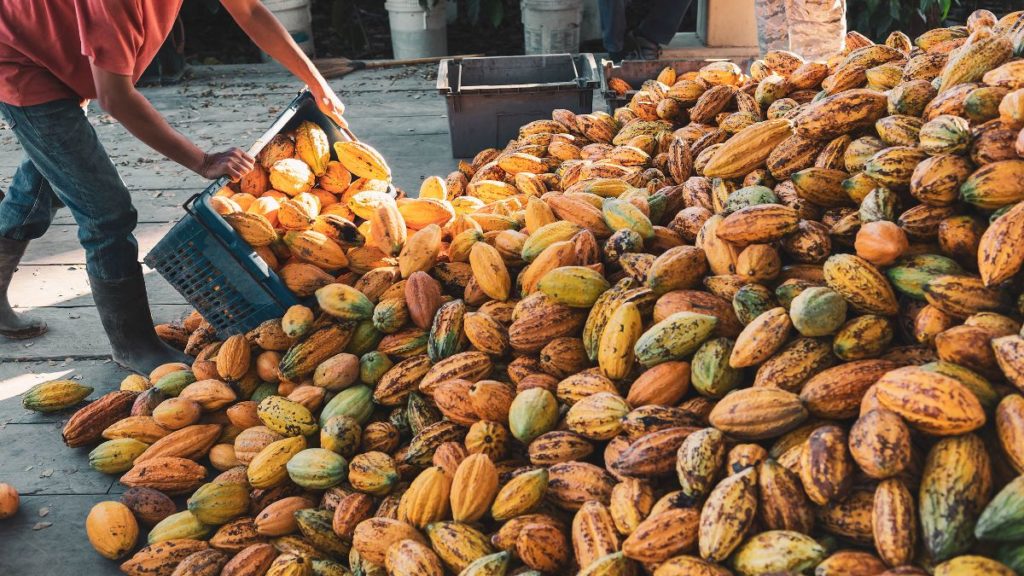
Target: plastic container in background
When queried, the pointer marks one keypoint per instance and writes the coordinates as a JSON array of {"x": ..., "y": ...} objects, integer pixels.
[
  {"x": 216, "y": 271},
  {"x": 415, "y": 32},
  {"x": 551, "y": 26},
  {"x": 637, "y": 71},
  {"x": 297, "y": 19},
  {"x": 490, "y": 98}
]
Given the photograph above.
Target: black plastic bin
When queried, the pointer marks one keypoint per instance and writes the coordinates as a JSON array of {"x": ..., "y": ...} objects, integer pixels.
[
  {"x": 490, "y": 98},
  {"x": 216, "y": 271},
  {"x": 637, "y": 71}
]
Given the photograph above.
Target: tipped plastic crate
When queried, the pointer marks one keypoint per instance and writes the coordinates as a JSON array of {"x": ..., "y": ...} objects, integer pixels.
[
  {"x": 490, "y": 98},
  {"x": 636, "y": 72},
  {"x": 216, "y": 271}
]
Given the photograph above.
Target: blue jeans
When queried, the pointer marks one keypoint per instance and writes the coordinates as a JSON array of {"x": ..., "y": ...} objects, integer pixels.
[
  {"x": 65, "y": 164},
  {"x": 660, "y": 24}
]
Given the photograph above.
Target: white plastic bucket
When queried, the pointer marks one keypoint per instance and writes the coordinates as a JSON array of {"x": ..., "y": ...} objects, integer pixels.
[
  {"x": 590, "y": 27},
  {"x": 416, "y": 33},
  {"x": 552, "y": 26},
  {"x": 297, "y": 19}
]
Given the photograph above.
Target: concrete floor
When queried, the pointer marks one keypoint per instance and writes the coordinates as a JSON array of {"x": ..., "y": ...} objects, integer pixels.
[{"x": 398, "y": 111}]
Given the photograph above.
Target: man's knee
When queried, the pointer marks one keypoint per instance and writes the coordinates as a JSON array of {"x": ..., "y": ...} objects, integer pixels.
[
  {"x": 24, "y": 218},
  {"x": 115, "y": 224},
  {"x": 111, "y": 251},
  {"x": 26, "y": 231}
]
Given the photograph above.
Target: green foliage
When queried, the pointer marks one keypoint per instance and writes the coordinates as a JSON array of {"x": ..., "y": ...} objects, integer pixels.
[
  {"x": 877, "y": 18},
  {"x": 347, "y": 32},
  {"x": 492, "y": 10},
  {"x": 944, "y": 5}
]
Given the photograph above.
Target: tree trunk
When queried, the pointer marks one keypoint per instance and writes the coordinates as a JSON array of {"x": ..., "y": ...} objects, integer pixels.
[
  {"x": 814, "y": 29},
  {"x": 772, "y": 32},
  {"x": 817, "y": 28}
]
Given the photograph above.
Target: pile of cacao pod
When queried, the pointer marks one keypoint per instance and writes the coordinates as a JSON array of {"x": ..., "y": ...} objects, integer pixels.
[
  {"x": 750, "y": 324},
  {"x": 298, "y": 209}
]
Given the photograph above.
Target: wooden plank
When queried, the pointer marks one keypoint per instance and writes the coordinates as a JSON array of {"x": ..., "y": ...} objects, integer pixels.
[
  {"x": 156, "y": 205},
  {"x": 357, "y": 103},
  {"x": 159, "y": 194},
  {"x": 127, "y": 152},
  {"x": 18, "y": 377},
  {"x": 238, "y": 125},
  {"x": 142, "y": 168},
  {"x": 272, "y": 77},
  {"x": 358, "y": 106},
  {"x": 223, "y": 130},
  {"x": 60, "y": 244},
  {"x": 36, "y": 461},
  {"x": 58, "y": 549},
  {"x": 68, "y": 286},
  {"x": 386, "y": 119},
  {"x": 153, "y": 206},
  {"x": 75, "y": 333},
  {"x": 168, "y": 177}
]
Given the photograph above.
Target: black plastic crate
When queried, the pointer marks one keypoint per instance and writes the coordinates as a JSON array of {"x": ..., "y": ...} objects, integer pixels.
[
  {"x": 637, "y": 71},
  {"x": 216, "y": 271},
  {"x": 490, "y": 98}
]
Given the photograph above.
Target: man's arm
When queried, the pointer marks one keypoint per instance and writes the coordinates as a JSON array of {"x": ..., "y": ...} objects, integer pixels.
[
  {"x": 120, "y": 99},
  {"x": 260, "y": 25}
]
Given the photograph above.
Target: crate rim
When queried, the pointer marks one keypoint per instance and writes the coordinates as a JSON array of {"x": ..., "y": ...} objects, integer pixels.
[{"x": 585, "y": 78}]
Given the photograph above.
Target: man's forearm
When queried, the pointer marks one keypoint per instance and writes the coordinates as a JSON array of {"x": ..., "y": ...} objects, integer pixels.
[
  {"x": 139, "y": 117},
  {"x": 262, "y": 27}
]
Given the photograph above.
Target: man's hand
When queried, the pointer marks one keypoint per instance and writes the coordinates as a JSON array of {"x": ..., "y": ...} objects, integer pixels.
[
  {"x": 329, "y": 103},
  {"x": 233, "y": 163},
  {"x": 260, "y": 25}
]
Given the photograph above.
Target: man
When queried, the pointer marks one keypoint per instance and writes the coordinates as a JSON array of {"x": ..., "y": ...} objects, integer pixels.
[
  {"x": 55, "y": 55},
  {"x": 644, "y": 43}
]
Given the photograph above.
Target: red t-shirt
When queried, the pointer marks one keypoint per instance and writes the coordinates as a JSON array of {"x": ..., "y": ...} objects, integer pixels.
[{"x": 46, "y": 45}]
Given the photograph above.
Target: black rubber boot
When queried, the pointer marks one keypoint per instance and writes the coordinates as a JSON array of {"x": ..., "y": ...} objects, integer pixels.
[
  {"x": 13, "y": 325},
  {"x": 124, "y": 311}
]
